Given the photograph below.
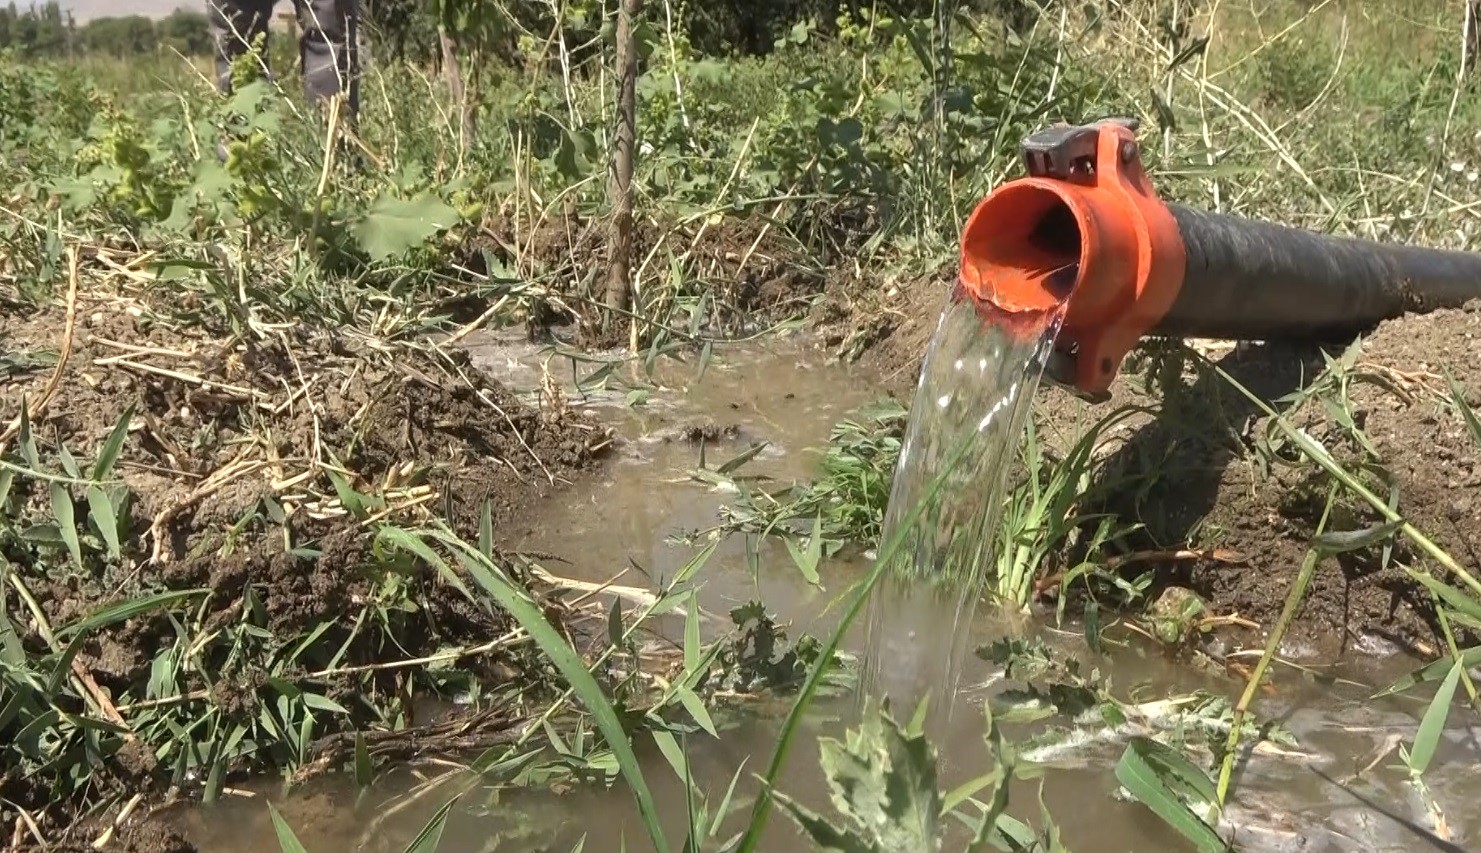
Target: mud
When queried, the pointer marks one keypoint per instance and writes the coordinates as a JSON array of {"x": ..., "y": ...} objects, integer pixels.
[
  {"x": 1193, "y": 475},
  {"x": 227, "y": 465}
]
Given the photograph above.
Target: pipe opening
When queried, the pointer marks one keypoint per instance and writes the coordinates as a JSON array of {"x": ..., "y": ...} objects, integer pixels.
[{"x": 1021, "y": 250}]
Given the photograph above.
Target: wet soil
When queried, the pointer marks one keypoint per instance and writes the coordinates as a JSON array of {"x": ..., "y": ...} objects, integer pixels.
[
  {"x": 229, "y": 468},
  {"x": 1209, "y": 471}
]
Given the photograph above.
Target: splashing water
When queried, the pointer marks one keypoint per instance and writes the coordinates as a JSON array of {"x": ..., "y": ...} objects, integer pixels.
[{"x": 969, "y": 413}]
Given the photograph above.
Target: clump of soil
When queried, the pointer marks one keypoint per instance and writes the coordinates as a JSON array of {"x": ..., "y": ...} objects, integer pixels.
[
  {"x": 153, "y": 837},
  {"x": 257, "y": 470},
  {"x": 703, "y": 431},
  {"x": 1194, "y": 475}
]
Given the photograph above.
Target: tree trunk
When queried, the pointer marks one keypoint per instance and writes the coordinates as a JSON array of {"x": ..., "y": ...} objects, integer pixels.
[
  {"x": 454, "y": 73},
  {"x": 619, "y": 273},
  {"x": 1470, "y": 37},
  {"x": 472, "y": 97}
]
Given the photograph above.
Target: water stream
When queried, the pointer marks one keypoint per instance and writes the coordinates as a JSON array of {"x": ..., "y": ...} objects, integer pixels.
[
  {"x": 974, "y": 394},
  {"x": 785, "y": 394}
]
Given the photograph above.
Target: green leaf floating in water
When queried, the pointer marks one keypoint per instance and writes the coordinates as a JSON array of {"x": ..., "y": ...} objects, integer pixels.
[
  {"x": 883, "y": 782},
  {"x": 394, "y": 225},
  {"x": 1165, "y": 781}
]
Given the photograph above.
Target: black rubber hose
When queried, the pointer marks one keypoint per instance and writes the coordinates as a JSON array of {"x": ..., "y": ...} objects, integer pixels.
[{"x": 1249, "y": 280}]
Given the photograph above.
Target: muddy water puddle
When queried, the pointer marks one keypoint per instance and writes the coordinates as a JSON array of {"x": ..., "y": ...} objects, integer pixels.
[
  {"x": 1320, "y": 795},
  {"x": 623, "y": 528}
]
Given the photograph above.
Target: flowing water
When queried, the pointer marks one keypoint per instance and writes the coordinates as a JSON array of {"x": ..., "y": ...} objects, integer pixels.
[
  {"x": 975, "y": 391},
  {"x": 784, "y": 394}
]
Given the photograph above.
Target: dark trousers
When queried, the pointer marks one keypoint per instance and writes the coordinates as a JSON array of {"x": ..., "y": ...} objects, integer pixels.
[{"x": 327, "y": 46}]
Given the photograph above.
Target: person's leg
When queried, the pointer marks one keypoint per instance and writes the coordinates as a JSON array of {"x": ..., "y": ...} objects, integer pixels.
[
  {"x": 234, "y": 26},
  {"x": 329, "y": 51}
]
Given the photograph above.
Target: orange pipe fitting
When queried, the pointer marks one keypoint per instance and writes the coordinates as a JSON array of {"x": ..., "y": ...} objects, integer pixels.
[{"x": 1084, "y": 233}]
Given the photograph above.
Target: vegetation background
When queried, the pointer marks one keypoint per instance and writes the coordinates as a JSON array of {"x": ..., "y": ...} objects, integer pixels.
[{"x": 248, "y": 518}]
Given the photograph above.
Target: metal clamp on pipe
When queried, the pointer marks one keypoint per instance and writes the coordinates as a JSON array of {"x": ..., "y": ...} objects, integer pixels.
[{"x": 1085, "y": 227}]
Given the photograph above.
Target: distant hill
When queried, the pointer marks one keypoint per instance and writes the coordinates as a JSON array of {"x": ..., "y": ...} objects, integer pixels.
[{"x": 86, "y": 10}]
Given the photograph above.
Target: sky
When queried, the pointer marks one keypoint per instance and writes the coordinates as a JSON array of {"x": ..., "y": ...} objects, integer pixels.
[{"x": 84, "y": 10}]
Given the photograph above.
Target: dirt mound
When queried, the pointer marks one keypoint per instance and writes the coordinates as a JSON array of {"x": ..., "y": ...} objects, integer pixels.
[
  {"x": 238, "y": 515},
  {"x": 886, "y": 323},
  {"x": 150, "y": 836},
  {"x": 153, "y": 837},
  {"x": 1211, "y": 471},
  {"x": 749, "y": 271},
  {"x": 1390, "y": 412},
  {"x": 251, "y": 419}
]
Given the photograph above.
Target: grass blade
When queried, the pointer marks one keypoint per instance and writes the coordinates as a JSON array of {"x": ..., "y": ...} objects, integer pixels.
[
  {"x": 12, "y": 653},
  {"x": 668, "y": 746},
  {"x": 108, "y": 454},
  {"x": 528, "y": 614},
  {"x": 1463, "y": 604},
  {"x": 430, "y": 838},
  {"x": 705, "y": 354},
  {"x": 486, "y": 529},
  {"x": 324, "y": 703},
  {"x": 351, "y": 500},
  {"x": 691, "y": 637},
  {"x": 66, "y": 515},
  {"x": 815, "y": 543},
  {"x": 127, "y": 610},
  {"x": 724, "y": 807},
  {"x": 695, "y": 563},
  {"x": 807, "y": 561},
  {"x": 1467, "y": 414},
  {"x": 25, "y": 440},
  {"x": 287, "y": 841},
  {"x": 1433, "y": 723},
  {"x": 364, "y": 772},
  {"x": 614, "y": 622},
  {"x": 105, "y": 519},
  {"x": 1343, "y": 541},
  {"x": 69, "y": 464},
  {"x": 696, "y": 708},
  {"x": 1432, "y": 671},
  {"x": 742, "y": 458}
]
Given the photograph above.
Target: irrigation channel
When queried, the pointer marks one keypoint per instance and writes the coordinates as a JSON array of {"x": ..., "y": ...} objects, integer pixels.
[{"x": 1307, "y": 795}]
